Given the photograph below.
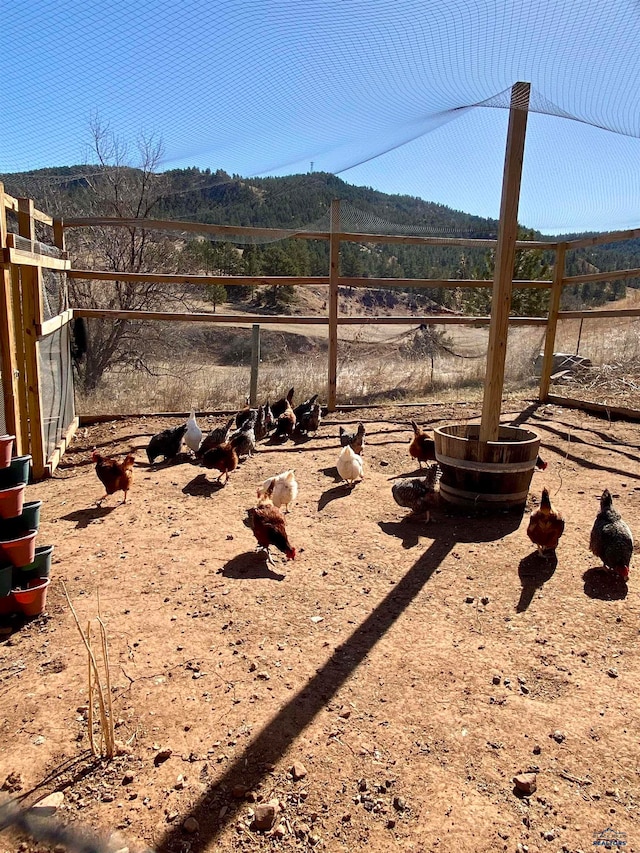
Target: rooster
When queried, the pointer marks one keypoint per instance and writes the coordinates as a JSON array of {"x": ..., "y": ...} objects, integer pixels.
[
  {"x": 115, "y": 476},
  {"x": 611, "y": 539},
  {"x": 268, "y": 526},
  {"x": 283, "y": 489},
  {"x": 166, "y": 443},
  {"x": 223, "y": 458},
  {"x": 419, "y": 494},
  {"x": 354, "y": 439},
  {"x": 421, "y": 447},
  {"x": 546, "y": 526}
]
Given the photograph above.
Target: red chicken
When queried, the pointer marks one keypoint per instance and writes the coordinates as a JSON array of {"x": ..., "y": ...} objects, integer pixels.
[
  {"x": 223, "y": 458},
  {"x": 422, "y": 447},
  {"x": 546, "y": 526},
  {"x": 268, "y": 526},
  {"x": 115, "y": 476}
]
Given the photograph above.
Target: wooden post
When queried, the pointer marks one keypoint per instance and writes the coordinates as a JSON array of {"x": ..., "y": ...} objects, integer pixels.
[
  {"x": 8, "y": 349},
  {"x": 32, "y": 315},
  {"x": 505, "y": 255},
  {"x": 552, "y": 323},
  {"x": 334, "y": 275},
  {"x": 255, "y": 362},
  {"x": 58, "y": 240}
]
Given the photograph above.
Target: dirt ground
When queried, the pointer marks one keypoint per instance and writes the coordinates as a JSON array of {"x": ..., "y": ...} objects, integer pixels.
[{"x": 412, "y": 669}]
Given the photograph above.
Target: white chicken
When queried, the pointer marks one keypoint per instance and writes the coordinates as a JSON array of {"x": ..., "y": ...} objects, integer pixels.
[
  {"x": 350, "y": 465},
  {"x": 193, "y": 435},
  {"x": 284, "y": 491}
]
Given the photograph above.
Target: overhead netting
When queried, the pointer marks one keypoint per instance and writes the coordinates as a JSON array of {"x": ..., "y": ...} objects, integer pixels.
[{"x": 407, "y": 97}]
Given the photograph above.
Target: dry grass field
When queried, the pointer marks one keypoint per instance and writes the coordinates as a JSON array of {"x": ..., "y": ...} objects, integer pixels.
[{"x": 412, "y": 669}]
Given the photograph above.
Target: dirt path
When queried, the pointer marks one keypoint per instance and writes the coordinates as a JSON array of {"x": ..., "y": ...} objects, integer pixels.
[{"x": 412, "y": 669}]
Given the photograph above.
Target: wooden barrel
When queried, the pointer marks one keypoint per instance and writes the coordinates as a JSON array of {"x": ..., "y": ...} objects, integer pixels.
[{"x": 487, "y": 475}]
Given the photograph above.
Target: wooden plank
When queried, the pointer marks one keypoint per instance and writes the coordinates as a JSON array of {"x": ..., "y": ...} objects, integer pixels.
[
  {"x": 452, "y": 283},
  {"x": 255, "y": 363},
  {"x": 22, "y": 427},
  {"x": 54, "y": 323},
  {"x": 26, "y": 227},
  {"x": 603, "y": 239},
  {"x": 505, "y": 255},
  {"x": 596, "y": 408},
  {"x": 58, "y": 453},
  {"x": 10, "y": 203},
  {"x": 33, "y": 259},
  {"x": 468, "y": 242},
  {"x": 334, "y": 276},
  {"x": 615, "y": 275},
  {"x": 552, "y": 324},
  {"x": 172, "y": 278},
  {"x": 279, "y": 319},
  {"x": 597, "y": 314},
  {"x": 8, "y": 349},
  {"x": 31, "y": 316},
  {"x": 40, "y": 216}
]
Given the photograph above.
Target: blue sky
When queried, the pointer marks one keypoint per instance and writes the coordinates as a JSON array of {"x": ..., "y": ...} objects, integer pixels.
[{"x": 259, "y": 87}]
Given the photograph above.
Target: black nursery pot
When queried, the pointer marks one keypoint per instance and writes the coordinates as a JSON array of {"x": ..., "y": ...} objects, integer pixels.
[
  {"x": 17, "y": 472},
  {"x": 29, "y": 519},
  {"x": 40, "y": 568}
]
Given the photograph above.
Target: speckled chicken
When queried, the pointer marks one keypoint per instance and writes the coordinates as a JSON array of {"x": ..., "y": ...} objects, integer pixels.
[
  {"x": 354, "y": 439},
  {"x": 422, "y": 447},
  {"x": 611, "y": 539},
  {"x": 243, "y": 440},
  {"x": 546, "y": 526},
  {"x": 419, "y": 494},
  {"x": 309, "y": 420},
  {"x": 166, "y": 443},
  {"x": 214, "y": 438}
]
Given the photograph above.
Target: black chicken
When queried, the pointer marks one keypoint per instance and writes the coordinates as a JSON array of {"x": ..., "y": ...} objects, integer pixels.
[
  {"x": 166, "y": 443},
  {"x": 355, "y": 439},
  {"x": 280, "y": 406},
  {"x": 309, "y": 420},
  {"x": 611, "y": 539},
  {"x": 214, "y": 438}
]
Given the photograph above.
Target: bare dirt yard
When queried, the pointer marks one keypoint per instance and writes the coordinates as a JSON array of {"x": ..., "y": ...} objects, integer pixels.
[{"x": 383, "y": 688}]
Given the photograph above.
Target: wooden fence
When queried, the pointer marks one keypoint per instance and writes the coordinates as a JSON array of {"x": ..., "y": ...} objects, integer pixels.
[{"x": 23, "y": 326}]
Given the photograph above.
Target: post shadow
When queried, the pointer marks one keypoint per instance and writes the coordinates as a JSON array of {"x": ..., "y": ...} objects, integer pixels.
[{"x": 268, "y": 746}]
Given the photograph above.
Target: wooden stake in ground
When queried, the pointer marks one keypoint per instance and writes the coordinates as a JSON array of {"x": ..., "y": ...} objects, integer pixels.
[{"x": 505, "y": 255}]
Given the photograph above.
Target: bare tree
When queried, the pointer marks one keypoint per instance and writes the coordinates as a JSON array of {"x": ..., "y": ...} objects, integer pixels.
[{"x": 124, "y": 184}]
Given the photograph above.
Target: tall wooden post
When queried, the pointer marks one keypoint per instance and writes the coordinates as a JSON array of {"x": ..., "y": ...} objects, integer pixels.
[
  {"x": 8, "y": 348},
  {"x": 255, "y": 363},
  {"x": 32, "y": 315},
  {"x": 505, "y": 255},
  {"x": 552, "y": 322},
  {"x": 334, "y": 275}
]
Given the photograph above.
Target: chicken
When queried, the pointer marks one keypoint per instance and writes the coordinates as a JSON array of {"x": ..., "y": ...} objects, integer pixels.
[
  {"x": 260, "y": 427},
  {"x": 611, "y": 539},
  {"x": 243, "y": 440},
  {"x": 422, "y": 447},
  {"x": 268, "y": 526},
  {"x": 541, "y": 465},
  {"x": 280, "y": 405},
  {"x": 193, "y": 435},
  {"x": 223, "y": 458},
  {"x": 309, "y": 420},
  {"x": 269, "y": 419},
  {"x": 286, "y": 423},
  {"x": 215, "y": 438},
  {"x": 355, "y": 439},
  {"x": 243, "y": 415},
  {"x": 420, "y": 495},
  {"x": 546, "y": 526},
  {"x": 115, "y": 476},
  {"x": 304, "y": 407},
  {"x": 283, "y": 489},
  {"x": 350, "y": 465},
  {"x": 166, "y": 443}
]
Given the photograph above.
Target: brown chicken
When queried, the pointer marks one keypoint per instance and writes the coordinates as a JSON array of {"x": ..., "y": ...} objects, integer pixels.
[
  {"x": 279, "y": 406},
  {"x": 422, "y": 447},
  {"x": 115, "y": 476},
  {"x": 223, "y": 458},
  {"x": 286, "y": 423},
  {"x": 546, "y": 526},
  {"x": 268, "y": 526}
]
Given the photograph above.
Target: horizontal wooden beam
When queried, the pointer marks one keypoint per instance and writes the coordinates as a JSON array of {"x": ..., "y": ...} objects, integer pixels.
[
  {"x": 615, "y": 275},
  {"x": 424, "y": 283},
  {"x": 603, "y": 239},
  {"x": 294, "y": 320},
  {"x": 596, "y": 314},
  {"x": 10, "y": 202},
  {"x": 58, "y": 453},
  {"x": 173, "y": 278},
  {"x": 32, "y": 259},
  {"x": 53, "y": 324},
  {"x": 597, "y": 408}
]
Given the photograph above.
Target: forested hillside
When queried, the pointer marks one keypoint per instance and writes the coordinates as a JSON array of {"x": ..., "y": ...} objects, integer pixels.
[{"x": 303, "y": 201}]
